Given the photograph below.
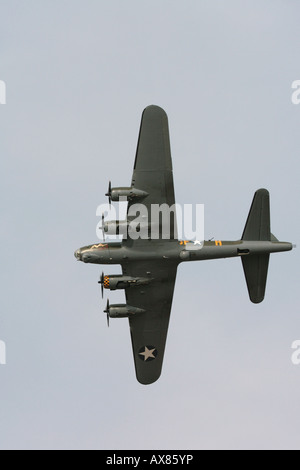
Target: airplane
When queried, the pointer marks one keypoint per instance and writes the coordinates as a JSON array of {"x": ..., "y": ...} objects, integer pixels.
[{"x": 149, "y": 264}]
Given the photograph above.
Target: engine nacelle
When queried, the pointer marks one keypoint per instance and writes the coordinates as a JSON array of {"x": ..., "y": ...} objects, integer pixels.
[
  {"x": 115, "y": 227},
  {"x": 116, "y": 281},
  {"x": 123, "y": 310},
  {"x": 126, "y": 193},
  {"x": 120, "y": 227}
]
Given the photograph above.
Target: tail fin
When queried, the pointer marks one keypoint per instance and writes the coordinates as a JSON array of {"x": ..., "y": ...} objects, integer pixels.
[{"x": 257, "y": 228}]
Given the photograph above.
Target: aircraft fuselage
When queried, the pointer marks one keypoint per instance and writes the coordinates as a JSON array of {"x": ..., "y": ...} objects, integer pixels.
[{"x": 176, "y": 251}]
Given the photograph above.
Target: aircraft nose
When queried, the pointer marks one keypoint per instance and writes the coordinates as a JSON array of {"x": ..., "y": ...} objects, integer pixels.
[{"x": 77, "y": 255}]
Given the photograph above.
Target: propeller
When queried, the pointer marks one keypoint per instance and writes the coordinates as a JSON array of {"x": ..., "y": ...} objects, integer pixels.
[
  {"x": 101, "y": 281},
  {"x": 107, "y": 312},
  {"x": 102, "y": 228},
  {"x": 108, "y": 194}
]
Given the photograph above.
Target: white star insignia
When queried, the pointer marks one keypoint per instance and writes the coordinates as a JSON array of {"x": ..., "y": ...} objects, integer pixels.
[
  {"x": 196, "y": 242},
  {"x": 148, "y": 354}
]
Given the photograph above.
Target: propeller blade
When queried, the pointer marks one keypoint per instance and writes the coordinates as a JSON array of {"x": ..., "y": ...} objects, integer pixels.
[
  {"x": 107, "y": 312},
  {"x": 101, "y": 281},
  {"x": 102, "y": 289},
  {"x": 102, "y": 228},
  {"x": 108, "y": 194}
]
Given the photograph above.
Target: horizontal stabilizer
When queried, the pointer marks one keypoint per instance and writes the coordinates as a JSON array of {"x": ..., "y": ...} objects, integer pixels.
[
  {"x": 257, "y": 227},
  {"x": 256, "y": 272}
]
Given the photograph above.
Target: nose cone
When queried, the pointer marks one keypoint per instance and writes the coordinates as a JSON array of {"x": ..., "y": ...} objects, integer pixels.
[{"x": 77, "y": 255}]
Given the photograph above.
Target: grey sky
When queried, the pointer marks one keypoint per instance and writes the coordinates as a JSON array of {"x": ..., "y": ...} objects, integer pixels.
[{"x": 78, "y": 75}]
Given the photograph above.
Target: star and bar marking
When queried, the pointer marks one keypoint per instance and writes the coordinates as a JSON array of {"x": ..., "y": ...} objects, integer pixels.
[{"x": 185, "y": 242}]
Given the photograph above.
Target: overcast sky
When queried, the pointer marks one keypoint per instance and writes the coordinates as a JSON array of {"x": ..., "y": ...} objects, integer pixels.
[{"x": 78, "y": 76}]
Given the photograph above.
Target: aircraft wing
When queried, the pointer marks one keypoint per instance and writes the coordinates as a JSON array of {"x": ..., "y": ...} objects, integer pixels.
[
  {"x": 149, "y": 329},
  {"x": 153, "y": 171}
]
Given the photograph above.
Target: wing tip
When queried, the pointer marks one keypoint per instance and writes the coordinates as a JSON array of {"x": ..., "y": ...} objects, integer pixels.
[
  {"x": 153, "y": 108},
  {"x": 148, "y": 380}
]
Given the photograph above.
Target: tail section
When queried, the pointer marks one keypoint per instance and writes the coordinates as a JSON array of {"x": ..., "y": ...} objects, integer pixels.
[{"x": 257, "y": 228}]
